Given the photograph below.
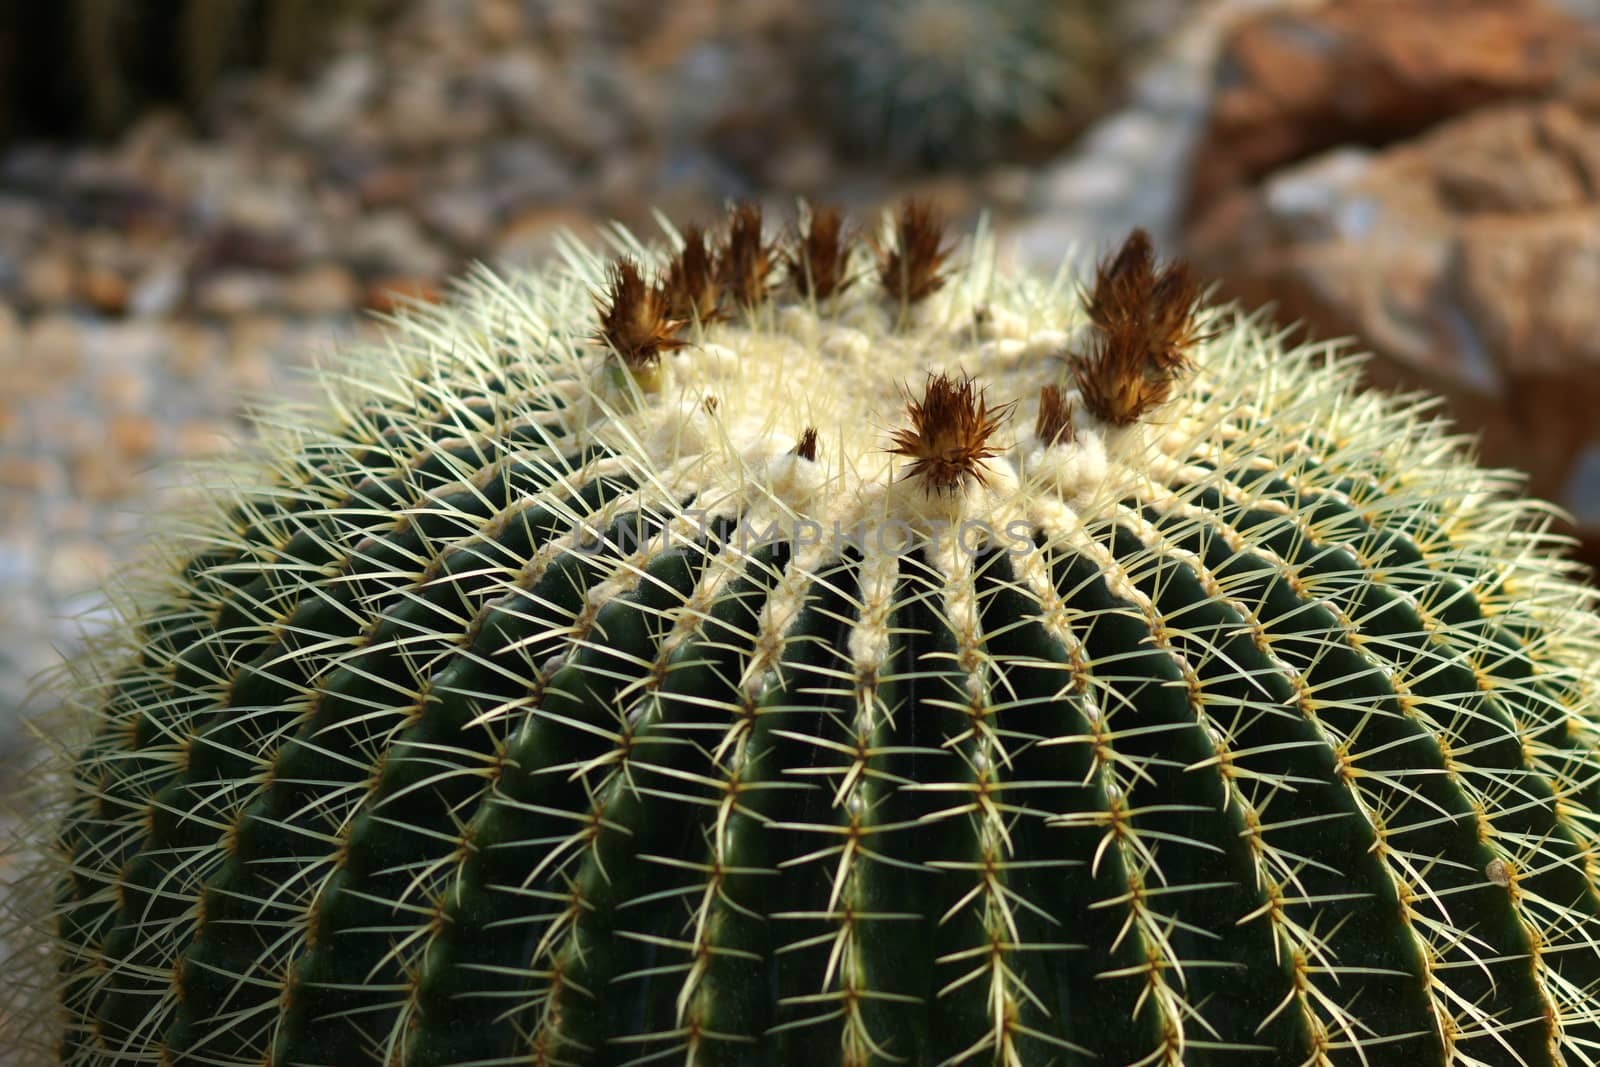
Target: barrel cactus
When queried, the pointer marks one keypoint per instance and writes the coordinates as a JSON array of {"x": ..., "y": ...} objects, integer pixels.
[
  {"x": 96, "y": 66},
  {"x": 960, "y": 82},
  {"x": 829, "y": 648}
]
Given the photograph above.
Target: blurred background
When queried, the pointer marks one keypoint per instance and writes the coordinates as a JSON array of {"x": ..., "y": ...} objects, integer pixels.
[{"x": 198, "y": 197}]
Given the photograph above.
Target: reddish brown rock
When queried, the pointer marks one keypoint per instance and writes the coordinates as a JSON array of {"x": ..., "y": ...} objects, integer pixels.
[
  {"x": 1467, "y": 259},
  {"x": 99, "y": 474},
  {"x": 134, "y": 437},
  {"x": 49, "y": 277},
  {"x": 394, "y": 293},
  {"x": 200, "y": 438},
  {"x": 31, "y": 473},
  {"x": 533, "y": 235},
  {"x": 104, "y": 290},
  {"x": 323, "y": 289},
  {"x": 1292, "y": 83}
]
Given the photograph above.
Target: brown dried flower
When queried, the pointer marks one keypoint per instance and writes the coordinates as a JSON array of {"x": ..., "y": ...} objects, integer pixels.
[
  {"x": 634, "y": 320},
  {"x": 1054, "y": 423},
  {"x": 1174, "y": 322},
  {"x": 806, "y": 447},
  {"x": 745, "y": 262},
  {"x": 821, "y": 255},
  {"x": 1118, "y": 380},
  {"x": 691, "y": 288},
  {"x": 1145, "y": 325},
  {"x": 913, "y": 268},
  {"x": 948, "y": 438},
  {"x": 1122, "y": 282}
]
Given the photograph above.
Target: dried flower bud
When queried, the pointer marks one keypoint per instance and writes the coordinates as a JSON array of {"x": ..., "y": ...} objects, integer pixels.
[
  {"x": 913, "y": 268},
  {"x": 820, "y": 258},
  {"x": 948, "y": 438},
  {"x": 634, "y": 320},
  {"x": 745, "y": 262},
  {"x": 1054, "y": 423},
  {"x": 1118, "y": 380},
  {"x": 1122, "y": 282},
  {"x": 691, "y": 288},
  {"x": 1145, "y": 318},
  {"x": 806, "y": 447}
]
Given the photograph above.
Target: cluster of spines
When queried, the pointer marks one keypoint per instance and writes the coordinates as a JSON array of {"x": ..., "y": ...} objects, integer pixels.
[
  {"x": 913, "y": 267},
  {"x": 1053, "y": 424}
]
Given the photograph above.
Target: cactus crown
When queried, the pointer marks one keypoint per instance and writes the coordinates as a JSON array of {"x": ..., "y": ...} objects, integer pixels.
[{"x": 704, "y": 656}]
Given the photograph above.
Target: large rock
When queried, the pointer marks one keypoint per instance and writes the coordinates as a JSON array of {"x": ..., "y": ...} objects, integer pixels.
[
  {"x": 1467, "y": 259},
  {"x": 1294, "y": 82}
]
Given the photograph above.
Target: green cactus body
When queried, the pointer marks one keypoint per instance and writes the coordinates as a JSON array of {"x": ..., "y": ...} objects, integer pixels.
[{"x": 501, "y": 727}]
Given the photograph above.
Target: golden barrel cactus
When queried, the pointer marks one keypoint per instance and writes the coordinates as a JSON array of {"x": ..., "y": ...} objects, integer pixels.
[{"x": 829, "y": 648}]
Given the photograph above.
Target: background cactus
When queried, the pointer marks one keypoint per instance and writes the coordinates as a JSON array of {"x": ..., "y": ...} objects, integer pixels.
[
  {"x": 95, "y": 64},
  {"x": 945, "y": 670},
  {"x": 959, "y": 82}
]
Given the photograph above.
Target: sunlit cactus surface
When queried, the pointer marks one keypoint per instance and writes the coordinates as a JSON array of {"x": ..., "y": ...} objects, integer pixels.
[{"x": 813, "y": 645}]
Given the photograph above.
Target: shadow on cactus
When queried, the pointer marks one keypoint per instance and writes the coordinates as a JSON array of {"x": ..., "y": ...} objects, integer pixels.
[{"x": 835, "y": 650}]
